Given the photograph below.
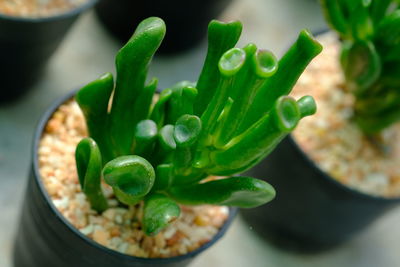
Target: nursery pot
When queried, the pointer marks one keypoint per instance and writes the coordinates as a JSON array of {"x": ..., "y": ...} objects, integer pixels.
[
  {"x": 186, "y": 21},
  {"x": 46, "y": 238},
  {"x": 311, "y": 211},
  {"x": 27, "y": 44}
]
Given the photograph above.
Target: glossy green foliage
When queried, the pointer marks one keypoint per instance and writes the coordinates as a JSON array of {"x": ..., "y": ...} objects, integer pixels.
[
  {"x": 88, "y": 163},
  {"x": 161, "y": 152},
  {"x": 370, "y": 57}
]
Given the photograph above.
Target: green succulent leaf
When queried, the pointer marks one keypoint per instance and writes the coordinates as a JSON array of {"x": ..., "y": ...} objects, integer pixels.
[
  {"x": 221, "y": 37},
  {"x": 388, "y": 31},
  {"x": 166, "y": 138},
  {"x": 243, "y": 192},
  {"x": 281, "y": 83},
  {"x": 257, "y": 141},
  {"x": 159, "y": 110},
  {"x": 93, "y": 100},
  {"x": 187, "y": 130},
  {"x": 131, "y": 177},
  {"x": 145, "y": 136},
  {"x": 180, "y": 102},
  {"x": 132, "y": 64},
  {"x": 159, "y": 211},
  {"x": 259, "y": 65},
  {"x": 164, "y": 177},
  {"x": 334, "y": 14},
  {"x": 361, "y": 64},
  {"x": 361, "y": 22},
  {"x": 89, "y": 164},
  {"x": 307, "y": 106}
]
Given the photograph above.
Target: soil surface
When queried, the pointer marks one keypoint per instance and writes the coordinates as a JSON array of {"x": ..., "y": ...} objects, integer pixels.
[
  {"x": 333, "y": 141},
  {"x": 119, "y": 227},
  {"x": 37, "y": 8}
]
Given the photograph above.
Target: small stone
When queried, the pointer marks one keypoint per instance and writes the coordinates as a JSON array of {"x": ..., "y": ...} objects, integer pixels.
[
  {"x": 87, "y": 230},
  {"x": 101, "y": 237}
]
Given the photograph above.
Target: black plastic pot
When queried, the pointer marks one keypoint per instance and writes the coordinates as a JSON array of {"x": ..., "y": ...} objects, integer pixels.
[
  {"x": 312, "y": 211},
  {"x": 26, "y": 44},
  {"x": 45, "y": 238},
  {"x": 186, "y": 20}
]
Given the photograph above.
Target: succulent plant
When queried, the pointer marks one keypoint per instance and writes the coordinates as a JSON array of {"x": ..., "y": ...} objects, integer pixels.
[
  {"x": 370, "y": 57},
  {"x": 162, "y": 148}
]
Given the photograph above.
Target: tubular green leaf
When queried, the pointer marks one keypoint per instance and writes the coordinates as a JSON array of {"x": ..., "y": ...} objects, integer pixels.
[
  {"x": 230, "y": 65},
  {"x": 221, "y": 37},
  {"x": 89, "y": 164},
  {"x": 334, "y": 15},
  {"x": 187, "y": 130},
  {"x": 131, "y": 177},
  {"x": 258, "y": 66},
  {"x": 307, "y": 106},
  {"x": 374, "y": 124},
  {"x": 291, "y": 66},
  {"x": 132, "y": 63},
  {"x": 361, "y": 23},
  {"x": 180, "y": 103},
  {"x": 379, "y": 9},
  {"x": 260, "y": 139},
  {"x": 159, "y": 110},
  {"x": 142, "y": 110},
  {"x": 166, "y": 138},
  {"x": 388, "y": 31},
  {"x": 159, "y": 211},
  {"x": 243, "y": 192},
  {"x": 145, "y": 136},
  {"x": 164, "y": 176},
  {"x": 93, "y": 99},
  {"x": 361, "y": 64}
]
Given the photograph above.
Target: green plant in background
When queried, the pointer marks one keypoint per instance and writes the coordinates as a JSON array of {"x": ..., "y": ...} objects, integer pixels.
[
  {"x": 370, "y": 57},
  {"x": 160, "y": 152}
]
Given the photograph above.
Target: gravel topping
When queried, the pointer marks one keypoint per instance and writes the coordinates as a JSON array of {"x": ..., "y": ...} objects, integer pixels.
[
  {"x": 37, "y": 8},
  {"x": 333, "y": 140},
  {"x": 119, "y": 227}
]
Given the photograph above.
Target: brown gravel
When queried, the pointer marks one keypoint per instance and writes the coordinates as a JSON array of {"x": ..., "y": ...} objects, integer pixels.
[
  {"x": 333, "y": 141},
  {"x": 37, "y": 8},
  {"x": 117, "y": 228}
]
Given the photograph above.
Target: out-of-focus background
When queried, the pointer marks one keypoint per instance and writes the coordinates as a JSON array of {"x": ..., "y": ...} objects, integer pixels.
[{"x": 89, "y": 50}]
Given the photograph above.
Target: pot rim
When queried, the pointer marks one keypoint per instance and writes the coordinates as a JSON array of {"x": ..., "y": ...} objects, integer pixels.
[
  {"x": 326, "y": 175},
  {"x": 59, "y": 16},
  {"x": 36, "y": 142}
]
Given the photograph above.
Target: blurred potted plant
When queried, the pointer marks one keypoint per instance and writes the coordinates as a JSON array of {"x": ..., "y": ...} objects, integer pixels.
[
  {"x": 344, "y": 170},
  {"x": 155, "y": 151},
  {"x": 30, "y": 33},
  {"x": 187, "y": 22}
]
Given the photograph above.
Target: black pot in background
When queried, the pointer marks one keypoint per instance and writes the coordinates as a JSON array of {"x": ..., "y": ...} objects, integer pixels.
[
  {"x": 45, "y": 238},
  {"x": 312, "y": 211},
  {"x": 26, "y": 44},
  {"x": 186, "y": 21}
]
